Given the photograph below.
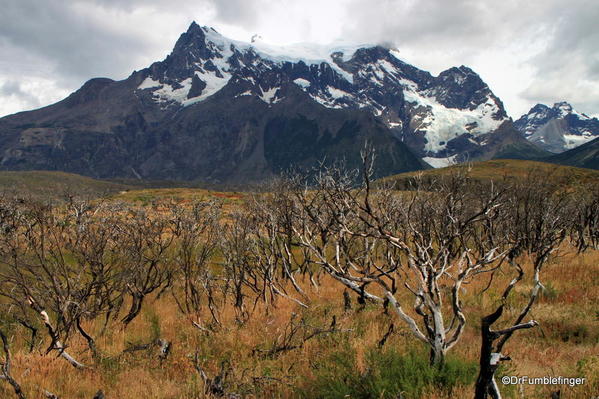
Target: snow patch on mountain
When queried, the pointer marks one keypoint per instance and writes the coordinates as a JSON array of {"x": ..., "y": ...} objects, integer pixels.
[
  {"x": 308, "y": 53},
  {"x": 149, "y": 83},
  {"x": 270, "y": 96},
  {"x": 166, "y": 93},
  {"x": 573, "y": 140},
  {"x": 337, "y": 94},
  {"x": 440, "y": 162},
  {"x": 408, "y": 84},
  {"x": 326, "y": 101},
  {"x": 441, "y": 124},
  {"x": 245, "y": 93},
  {"x": 302, "y": 82},
  {"x": 214, "y": 83}
]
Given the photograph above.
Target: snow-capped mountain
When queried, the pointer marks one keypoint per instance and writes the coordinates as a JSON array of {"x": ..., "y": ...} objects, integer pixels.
[
  {"x": 559, "y": 128},
  {"x": 426, "y": 112},
  {"x": 220, "y": 110}
]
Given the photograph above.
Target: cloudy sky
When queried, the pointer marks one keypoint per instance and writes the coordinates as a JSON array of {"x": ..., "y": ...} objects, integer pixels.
[{"x": 527, "y": 51}]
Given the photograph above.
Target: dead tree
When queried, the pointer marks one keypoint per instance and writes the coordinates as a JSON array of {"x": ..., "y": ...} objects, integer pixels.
[
  {"x": 38, "y": 274},
  {"x": 236, "y": 246},
  {"x": 213, "y": 386},
  {"x": 536, "y": 223},
  {"x": 146, "y": 240},
  {"x": 296, "y": 334},
  {"x": 377, "y": 241},
  {"x": 93, "y": 242},
  {"x": 346, "y": 301},
  {"x": 5, "y": 368},
  {"x": 584, "y": 226},
  {"x": 278, "y": 259},
  {"x": 56, "y": 343},
  {"x": 196, "y": 233},
  {"x": 490, "y": 358},
  {"x": 260, "y": 263}
]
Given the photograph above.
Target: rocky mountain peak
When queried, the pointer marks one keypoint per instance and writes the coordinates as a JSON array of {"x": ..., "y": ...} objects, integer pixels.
[
  {"x": 460, "y": 75},
  {"x": 539, "y": 109},
  {"x": 218, "y": 109},
  {"x": 89, "y": 91},
  {"x": 460, "y": 87},
  {"x": 563, "y": 106},
  {"x": 427, "y": 112},
  {"x": 193, "y": 40},
  {"x": 558, "y": 128},
  {"x": 564, "y": 109}
]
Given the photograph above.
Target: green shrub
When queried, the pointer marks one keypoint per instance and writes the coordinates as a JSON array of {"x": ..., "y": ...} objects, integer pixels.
[
  {"x": 549, "y": 292},
  {"x": 388, "y": 373},
  {"x": 154, "y": 320}
]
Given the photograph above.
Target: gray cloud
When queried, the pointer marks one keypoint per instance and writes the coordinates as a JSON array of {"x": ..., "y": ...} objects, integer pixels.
[
  {"x": 534, "y": 51},
  {"x": 59, "y": 34},
  {"x": 568, "y": 67},
  {"x": 14, "y": 89},
  {"x": 240, "y": 11},
  {"x": 457, "y": 25}
]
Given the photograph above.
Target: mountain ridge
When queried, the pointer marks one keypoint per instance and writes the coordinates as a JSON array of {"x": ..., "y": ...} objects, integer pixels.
[
  {"x": 583, "y": 156},
  {"x": 218, "y": 110},
  {"x": 559, "y": 128},
  {"x": 373, "y": 78}
]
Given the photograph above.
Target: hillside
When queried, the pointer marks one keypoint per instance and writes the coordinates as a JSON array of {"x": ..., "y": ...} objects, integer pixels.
[
  {"x": 585, "y": 156},
  {"x": 507, "y": 143},
  {"x": 46, "y": 185},
  {"x": 499, "y": 169},
  {"x": 57, "y": 186}
]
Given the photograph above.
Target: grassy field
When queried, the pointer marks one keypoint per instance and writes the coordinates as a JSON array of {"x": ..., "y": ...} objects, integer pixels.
[
  {"x": 50, "y": 185},
  {"x": 58, "y": 186},
  {"x": 336, "y": 364},
  {"x": 183, "y": 196},
  {"x": 324, "y": 350},
  {"x": 55, "y": 186},
  {"x": 509, "y": 169}
]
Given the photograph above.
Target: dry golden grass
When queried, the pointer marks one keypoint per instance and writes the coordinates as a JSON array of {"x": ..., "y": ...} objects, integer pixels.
[
  {"x": 513, "y": 168},
  {"x": 551, "y": 350},
  {"x": 183, "y": 196},
  {"x": 566, "y": 343}
]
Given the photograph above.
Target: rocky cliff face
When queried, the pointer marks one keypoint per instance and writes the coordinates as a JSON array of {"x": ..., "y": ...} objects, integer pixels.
[
  {"x": 559, "y": 128},
  {"x": 219, "y": 110}
]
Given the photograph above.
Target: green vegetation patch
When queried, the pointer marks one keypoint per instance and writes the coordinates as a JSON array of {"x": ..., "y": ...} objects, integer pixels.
[{"x": 387, "y": 374}]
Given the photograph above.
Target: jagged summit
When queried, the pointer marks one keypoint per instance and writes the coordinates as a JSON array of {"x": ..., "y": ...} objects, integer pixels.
[
  {"x": 558, "y": 128},
  {"x": 192, "y": 39},
  {"x": 427, "y": 112},
  {"x": 309, "y": 53},
  {"x": 566, "y": 109}
]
